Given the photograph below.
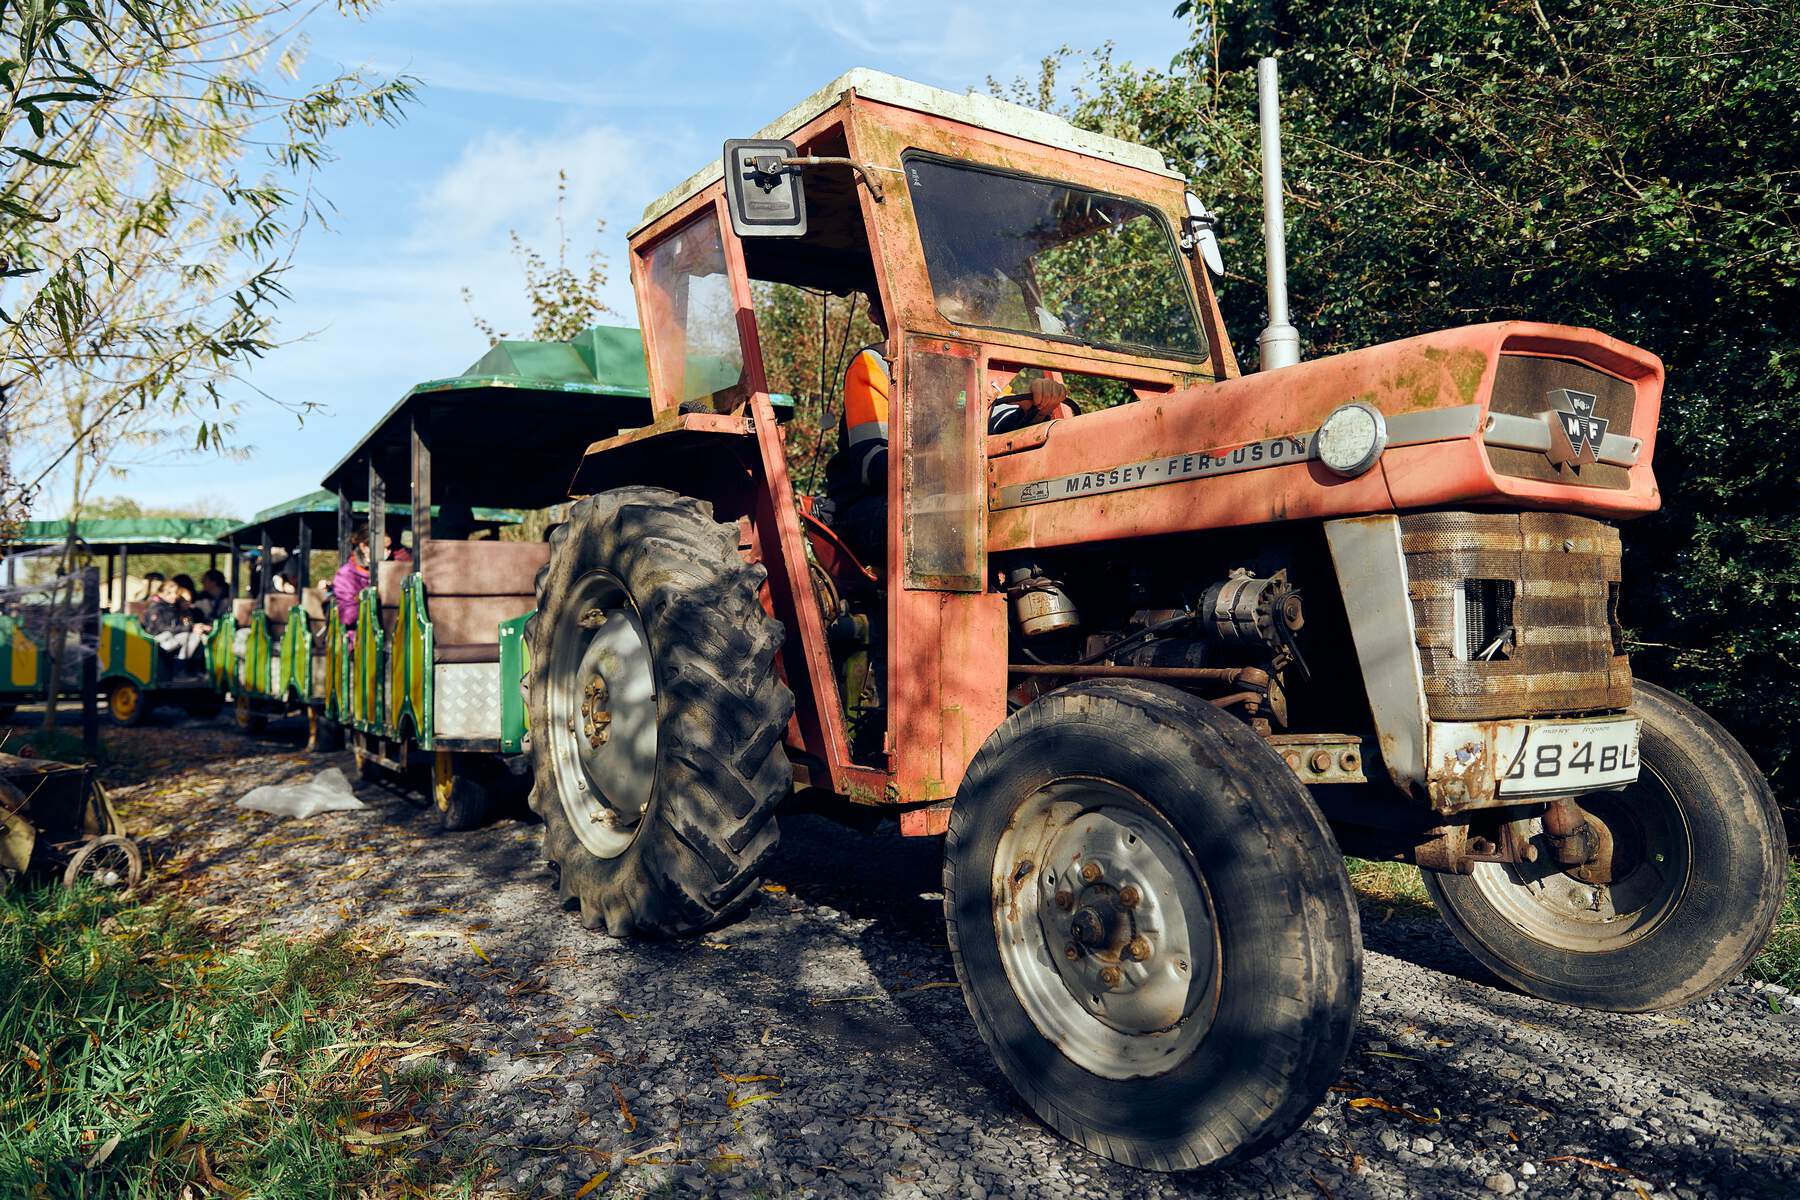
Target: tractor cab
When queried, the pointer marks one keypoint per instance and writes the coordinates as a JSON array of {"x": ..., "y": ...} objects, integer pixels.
[
  {"x": 428, "y": 668},
  {"x": 977, "y": 245}
]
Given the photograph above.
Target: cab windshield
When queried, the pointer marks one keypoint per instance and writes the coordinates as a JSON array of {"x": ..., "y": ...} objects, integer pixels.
[{"x": 1009, "y": 252}]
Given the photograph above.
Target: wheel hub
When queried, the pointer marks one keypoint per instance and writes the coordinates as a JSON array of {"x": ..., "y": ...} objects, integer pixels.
[
  {"x": 602, "y": 714},
  {"x": 1112, "y": 952}
]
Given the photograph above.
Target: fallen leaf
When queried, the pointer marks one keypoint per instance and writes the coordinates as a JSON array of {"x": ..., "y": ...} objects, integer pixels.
[
  {"x": 625, "y": 1016},
  {"x": 774, "y": 889},
  {"x": 103, "y": 1153},
  {"x": 1384, "y": 1106},
  {"x": 479, "y": 952},
  {"x": 625, "y": 1110},
  {"x": 591, "y": 1184},
  {"x": 733, "y": 1100},
  {"x": 415, "y": 981},
  {"x": 363, "y": 1138},
  {"x": 1391, "y": 1054}
]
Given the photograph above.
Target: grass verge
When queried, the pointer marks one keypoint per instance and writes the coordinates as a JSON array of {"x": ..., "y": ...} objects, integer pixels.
[
  {"x": 139, "y": 1058},
  {"x": 1388, "y": 890}
]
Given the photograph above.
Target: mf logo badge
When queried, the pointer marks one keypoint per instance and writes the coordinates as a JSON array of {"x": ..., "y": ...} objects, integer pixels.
[{"x": 1575, "y": 432}]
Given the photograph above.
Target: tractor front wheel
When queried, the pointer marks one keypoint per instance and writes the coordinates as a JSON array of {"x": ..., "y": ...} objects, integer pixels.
[
  {"x": 1153, "y": 927},
  {"x": 656, "y": 714},
  {"x": 1696, "y": 864}
]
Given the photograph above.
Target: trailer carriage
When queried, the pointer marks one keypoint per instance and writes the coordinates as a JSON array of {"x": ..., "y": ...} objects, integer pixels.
[
  {"x": 431, "y": 671},
  {"x": 283, "y": 661},
  {"x": 134, "y": 673}
]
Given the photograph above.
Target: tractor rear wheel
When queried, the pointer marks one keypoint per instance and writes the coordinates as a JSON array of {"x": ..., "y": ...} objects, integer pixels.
[
  {"x": 656, "y": 714},
  {"x": 1697, "y": 870},
  {"x": 1152, "y": 924}
]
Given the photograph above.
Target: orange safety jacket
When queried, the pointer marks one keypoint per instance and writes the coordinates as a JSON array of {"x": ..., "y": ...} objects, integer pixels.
[{"x": 866, "y": 387}]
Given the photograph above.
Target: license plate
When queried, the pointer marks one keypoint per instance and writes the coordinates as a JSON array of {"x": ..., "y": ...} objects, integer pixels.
[{"x": 1557, "y": 757}]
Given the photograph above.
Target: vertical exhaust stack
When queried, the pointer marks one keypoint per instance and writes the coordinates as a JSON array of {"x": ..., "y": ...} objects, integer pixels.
[{"x": 1279, "y": 343}]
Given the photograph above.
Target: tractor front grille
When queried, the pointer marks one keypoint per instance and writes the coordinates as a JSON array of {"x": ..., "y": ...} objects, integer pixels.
[
  {"x": 1515, "y": 614},
  {"x": 1523, "y": 384}
]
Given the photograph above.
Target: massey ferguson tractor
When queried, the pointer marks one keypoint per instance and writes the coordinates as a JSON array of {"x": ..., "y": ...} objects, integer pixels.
[{"x": 1151, "y": 666}]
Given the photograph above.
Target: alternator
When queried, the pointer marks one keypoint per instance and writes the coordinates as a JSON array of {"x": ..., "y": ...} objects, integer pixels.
[{"x": 1245, "y": 608}]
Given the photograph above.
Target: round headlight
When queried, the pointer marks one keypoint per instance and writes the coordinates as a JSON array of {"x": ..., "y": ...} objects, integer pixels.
[{"x": 1351, "y": 439}]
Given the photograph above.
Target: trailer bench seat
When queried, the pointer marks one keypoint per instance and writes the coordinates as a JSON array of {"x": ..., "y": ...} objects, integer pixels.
[{"x": 471, "y": 587}]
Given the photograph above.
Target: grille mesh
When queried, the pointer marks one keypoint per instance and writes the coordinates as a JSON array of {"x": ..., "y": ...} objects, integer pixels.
[{"x": 1564, "y": 571}]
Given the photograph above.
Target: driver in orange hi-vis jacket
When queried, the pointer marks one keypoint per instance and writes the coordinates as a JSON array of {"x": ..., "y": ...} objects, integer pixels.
[{"x": 856, "y": 476}]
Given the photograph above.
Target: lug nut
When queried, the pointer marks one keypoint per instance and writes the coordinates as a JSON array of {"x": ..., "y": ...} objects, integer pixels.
[
  {"x": 1090, "y": 871},
  {"x": 1070, "y": 952},
  {"x": 1349, "y": 760},
  {"x": 1138, "y": 949},
  {"x": 1110, "y": 976},
  {"x": 1320, "y": 761},
  {"x": 1293, "y": 760},
  {"x": 1129, "y": 896},
  {"x": 1065, "y": 901}
]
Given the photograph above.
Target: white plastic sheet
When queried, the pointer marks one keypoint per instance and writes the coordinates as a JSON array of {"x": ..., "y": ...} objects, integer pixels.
[{"x": 328, "y": 791}]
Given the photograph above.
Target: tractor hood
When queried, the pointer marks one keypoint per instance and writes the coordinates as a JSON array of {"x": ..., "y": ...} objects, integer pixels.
[{"x": 1515, "y": 414}]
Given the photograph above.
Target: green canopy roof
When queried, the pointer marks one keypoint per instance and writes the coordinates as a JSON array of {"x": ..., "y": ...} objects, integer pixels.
[
  {"x": 510, "y": 430},
  {"x": 148, "y": 533},
  {"x": 319, "y": 509}
]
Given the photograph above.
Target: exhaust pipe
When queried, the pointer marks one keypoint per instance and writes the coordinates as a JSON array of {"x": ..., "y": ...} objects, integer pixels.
[{"x": 1279, "y": 344}]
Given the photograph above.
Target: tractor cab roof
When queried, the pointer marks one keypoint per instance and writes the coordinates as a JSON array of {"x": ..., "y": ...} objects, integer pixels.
[
  {"x": 509, "y": 430},
  {"x": 971, "y": 109}
]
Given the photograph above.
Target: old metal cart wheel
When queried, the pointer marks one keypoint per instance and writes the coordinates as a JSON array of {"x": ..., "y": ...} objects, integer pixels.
[
  {"x": 126, "y": 704},
  {"x": 656, "y": 714},
  {"x": 1697, "y": 872},
  {"x": 110, "y": 861},
  {"x": 1152, "y": 925}
]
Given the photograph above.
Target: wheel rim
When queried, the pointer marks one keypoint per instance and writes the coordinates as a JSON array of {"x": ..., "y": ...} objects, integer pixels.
[
  {"x": 1106, "y": 928},
  {"x": 443, "y": 779},
  {"x": 601, "y": 706},
  {"x": 105, "y": 863},
  {"x": 124, "y": 702},
  {"x": 1652, "y": 860}
]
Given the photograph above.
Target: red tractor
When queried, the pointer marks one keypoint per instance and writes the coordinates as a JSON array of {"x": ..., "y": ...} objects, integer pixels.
[{"x": 1150, "y": 667}]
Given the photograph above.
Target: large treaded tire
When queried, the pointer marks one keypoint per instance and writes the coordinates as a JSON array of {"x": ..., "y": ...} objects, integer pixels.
[
  {"x": 1737, "y": 854},
  {"x": 720, "y": 769},
  {"x": 1288, "y": 971}
]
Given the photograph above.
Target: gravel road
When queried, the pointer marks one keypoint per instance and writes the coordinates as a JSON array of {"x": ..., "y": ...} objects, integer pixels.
[{"x": 816, "y": 1047}]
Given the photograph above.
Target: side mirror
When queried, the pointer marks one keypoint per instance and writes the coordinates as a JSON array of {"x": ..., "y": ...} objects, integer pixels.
[
  {"x": 1198, "y": 231},
  {"x": 764, "y": 194}
]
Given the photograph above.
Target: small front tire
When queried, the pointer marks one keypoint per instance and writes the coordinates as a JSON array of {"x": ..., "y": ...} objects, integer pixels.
[{"x": 1152, "y": 924}]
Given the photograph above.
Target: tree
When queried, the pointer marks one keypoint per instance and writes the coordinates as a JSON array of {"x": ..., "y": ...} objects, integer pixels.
[
  {"x": 143, "y": 243},
  {"x": 1628, "y": 165},
  {"x": 564, "y": 301}
]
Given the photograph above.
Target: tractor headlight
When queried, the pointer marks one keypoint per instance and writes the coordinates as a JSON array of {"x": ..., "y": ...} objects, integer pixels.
[{"x": 1351, "y": 439}]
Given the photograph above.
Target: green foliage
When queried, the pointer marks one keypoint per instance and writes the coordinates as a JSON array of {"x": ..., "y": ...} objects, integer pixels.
[
  {"x": 146, "y": 228},
  {"x": 1624, "y": 165},
  {"x": 564, "y": 301},
  {"x": 212, "y": 1067},
  {"x": 808, "y": 339}
]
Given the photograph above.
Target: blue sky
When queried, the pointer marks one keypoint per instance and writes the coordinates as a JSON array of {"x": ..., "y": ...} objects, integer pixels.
[{"x": 628, "y": 97}]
